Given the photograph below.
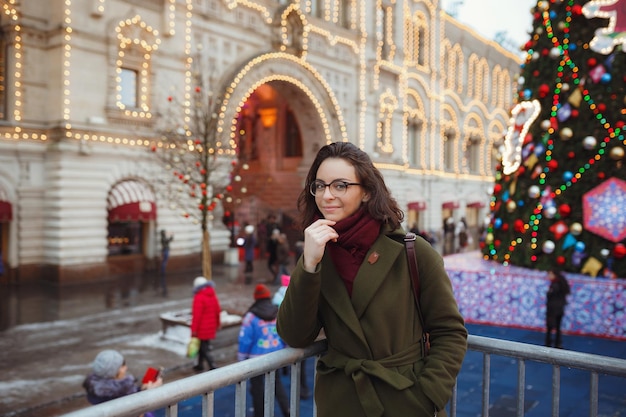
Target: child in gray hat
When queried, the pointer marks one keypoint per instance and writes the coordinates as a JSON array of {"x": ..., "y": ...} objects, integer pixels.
[{"x": 109, "y": 378}]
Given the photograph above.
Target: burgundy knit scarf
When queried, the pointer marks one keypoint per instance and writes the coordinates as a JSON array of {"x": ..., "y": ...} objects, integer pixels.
[{"x": 357, "y": 234}]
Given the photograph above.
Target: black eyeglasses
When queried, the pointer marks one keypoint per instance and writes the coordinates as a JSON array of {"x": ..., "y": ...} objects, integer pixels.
[{"x": 337, "y": 187}]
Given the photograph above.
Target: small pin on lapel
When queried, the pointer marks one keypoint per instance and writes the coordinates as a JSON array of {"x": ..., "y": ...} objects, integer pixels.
[{"x": 373, "y": 257}]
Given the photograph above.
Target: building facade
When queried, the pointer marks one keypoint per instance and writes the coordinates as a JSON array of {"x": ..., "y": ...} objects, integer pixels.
[{"x": 86, "y": 84}]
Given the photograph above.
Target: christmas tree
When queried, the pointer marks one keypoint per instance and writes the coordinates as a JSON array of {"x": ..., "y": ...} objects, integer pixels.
[{"x": 559, "y": 199}]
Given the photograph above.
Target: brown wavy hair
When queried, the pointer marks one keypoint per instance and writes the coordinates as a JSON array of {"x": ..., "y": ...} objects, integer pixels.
[{"x": 380, "y": 205}]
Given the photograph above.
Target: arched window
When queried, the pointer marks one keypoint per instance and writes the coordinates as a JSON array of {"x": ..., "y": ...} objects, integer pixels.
[{"x": 136, "y": 43}]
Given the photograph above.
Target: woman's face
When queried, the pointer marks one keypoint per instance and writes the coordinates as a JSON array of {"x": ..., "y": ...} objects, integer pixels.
[{"x": 339, "y": 207}]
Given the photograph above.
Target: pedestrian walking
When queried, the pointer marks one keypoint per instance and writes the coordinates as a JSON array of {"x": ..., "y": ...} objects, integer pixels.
[
  {"x": 166, "y": 239},
  {"x": 205, "y": 320}
]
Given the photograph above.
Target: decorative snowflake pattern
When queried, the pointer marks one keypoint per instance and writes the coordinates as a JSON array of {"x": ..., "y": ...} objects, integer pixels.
[{"x": 604, "y": 210}]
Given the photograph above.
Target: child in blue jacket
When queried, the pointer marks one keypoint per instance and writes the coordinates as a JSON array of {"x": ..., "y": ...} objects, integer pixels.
[{"x": 258, "y": 336}]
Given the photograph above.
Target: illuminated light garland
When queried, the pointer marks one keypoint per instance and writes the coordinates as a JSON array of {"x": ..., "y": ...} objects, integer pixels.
[
  {"x": 187, "y": 106},
  {"x": 388, "y": 105},
  {"x": 239, "y": 77},
  {"x": 293, "y": 9},
  {"x": 563, "y": 47},
  {"x": 265, "y": 12},
  {"x": 127, "y": 40},
  {"x": 9, "y": 10},
  {"x": 98, "y": 7}
]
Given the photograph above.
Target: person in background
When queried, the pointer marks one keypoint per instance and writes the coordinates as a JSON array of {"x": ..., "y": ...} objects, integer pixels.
[
  {"x": 165, "y": 256},
  {"x": 556, "y": 299},
  {"x": 354, "y": 283},
  {"x": 205, "y": 320},
  {"x": 282, "y": 257},
  {"x": 272, "y": 253},
  {"x": 258, "y": 336},
  {"x": 249, "y": 245},
  {"x": 109, "y": 379},
  {"x": 448, "y": 236},
  {"x": 461, "y": 233}
]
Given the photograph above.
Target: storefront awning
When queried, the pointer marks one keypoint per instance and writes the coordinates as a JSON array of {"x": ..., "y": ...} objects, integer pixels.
[
  {"x": 450, "y": 205},
  {"x": 131, "y": 201},
  {"x": 6, "y": 209},
  {"x": 417, "y": 205},
  {"x": 476, "y": 204}
]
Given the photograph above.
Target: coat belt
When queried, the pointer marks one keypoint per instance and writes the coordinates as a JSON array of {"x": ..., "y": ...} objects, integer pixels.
[{"x": 361, "y": 369}]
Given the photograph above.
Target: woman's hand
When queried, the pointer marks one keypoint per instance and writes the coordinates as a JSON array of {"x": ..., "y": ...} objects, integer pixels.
[{"x": 315, "y": 238}]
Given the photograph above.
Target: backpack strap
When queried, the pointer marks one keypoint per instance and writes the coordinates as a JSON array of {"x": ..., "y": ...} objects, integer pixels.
[{"x": 409, "y": 243}]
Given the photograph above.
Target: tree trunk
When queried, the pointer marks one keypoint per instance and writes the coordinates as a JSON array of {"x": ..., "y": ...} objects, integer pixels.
[{"x": 206, "y": 255}]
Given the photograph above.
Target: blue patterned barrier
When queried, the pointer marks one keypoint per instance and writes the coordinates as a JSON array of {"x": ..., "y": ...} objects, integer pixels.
[{"x": 490, "y": 293}]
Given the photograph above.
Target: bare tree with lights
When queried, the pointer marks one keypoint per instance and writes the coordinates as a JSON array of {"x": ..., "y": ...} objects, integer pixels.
[{"x": 197, "y": 157}]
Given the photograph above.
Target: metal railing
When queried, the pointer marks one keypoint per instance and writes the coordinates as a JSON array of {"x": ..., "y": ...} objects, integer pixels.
[{"x": 171, "y": 394}]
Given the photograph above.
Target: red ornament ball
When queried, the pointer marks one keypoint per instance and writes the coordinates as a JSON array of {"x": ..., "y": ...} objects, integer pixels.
[
  {"x": 571, "y": 154},
  {"x": 565, "y": 210},
  {"x": 577, "y": 10},
  {"x": 553, "y": 164},
  {"x": 592, "y": 62},
  {"x": 601, "y": 107},
  {"x": 619, "y": 251},
  {"x": 544, "y": 89},
  {"x": 560, "y": 260}
]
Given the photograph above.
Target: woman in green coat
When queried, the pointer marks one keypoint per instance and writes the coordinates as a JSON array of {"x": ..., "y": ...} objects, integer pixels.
[{"x": 353, "y": 282}]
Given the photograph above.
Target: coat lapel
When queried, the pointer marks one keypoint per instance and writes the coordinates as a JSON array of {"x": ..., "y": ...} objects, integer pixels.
[
  {"x": 335, "y": 293},
  {"x": 374, "y": 271}
]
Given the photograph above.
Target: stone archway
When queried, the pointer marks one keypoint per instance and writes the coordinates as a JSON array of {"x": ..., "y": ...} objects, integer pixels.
[{"x": 261, "y": 96}]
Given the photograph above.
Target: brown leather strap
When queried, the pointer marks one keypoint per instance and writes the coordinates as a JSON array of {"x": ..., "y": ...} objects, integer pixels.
[{"x": 409, "y": 243}]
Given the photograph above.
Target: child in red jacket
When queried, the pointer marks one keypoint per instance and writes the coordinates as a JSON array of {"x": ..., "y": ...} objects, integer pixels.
[{"x": 205, "y": 319}]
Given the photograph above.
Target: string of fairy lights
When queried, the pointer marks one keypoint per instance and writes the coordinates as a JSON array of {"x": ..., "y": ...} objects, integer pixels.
[
  {"x": 560, "y": 47},
  {"x": 134, "y": 33}
]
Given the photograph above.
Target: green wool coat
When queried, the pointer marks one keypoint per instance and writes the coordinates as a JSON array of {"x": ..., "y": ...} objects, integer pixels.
[{"x": 374, "y": 366}]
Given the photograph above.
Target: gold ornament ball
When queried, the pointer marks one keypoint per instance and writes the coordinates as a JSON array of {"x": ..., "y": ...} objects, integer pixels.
[
  {"x": 489, "y": 238},
  {"x": 617, "y": 153},
  {"x": 566, "y": 133},
  {"x": 576, "y": 229},
  {"x": 511, "y": 206}
]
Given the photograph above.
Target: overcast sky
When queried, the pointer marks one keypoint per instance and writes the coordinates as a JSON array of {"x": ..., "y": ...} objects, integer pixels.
[{"x": 488, "y": 17}]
